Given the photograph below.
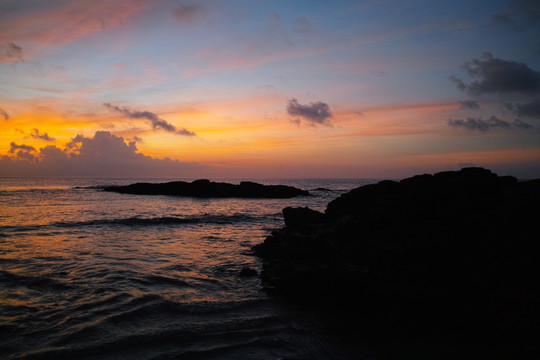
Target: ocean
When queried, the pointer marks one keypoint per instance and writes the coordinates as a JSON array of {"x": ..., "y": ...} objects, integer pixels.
[{"x": 88, "y": 274}]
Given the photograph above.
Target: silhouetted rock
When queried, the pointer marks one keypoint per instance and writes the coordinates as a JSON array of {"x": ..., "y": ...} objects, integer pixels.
[
  {"x": 295, "y": 217},
  {"x": 454, "y": 254},
  {"x": 247, "y": 271},
  {"x": 323, "y": 189},
  {"x": 207, "y": 189}
]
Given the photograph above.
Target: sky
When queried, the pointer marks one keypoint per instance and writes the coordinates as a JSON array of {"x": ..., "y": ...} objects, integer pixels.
[{"x": 268, "y": 89}]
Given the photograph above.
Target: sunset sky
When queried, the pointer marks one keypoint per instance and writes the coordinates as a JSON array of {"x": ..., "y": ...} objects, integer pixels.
[{"x": 255, "y": 89}]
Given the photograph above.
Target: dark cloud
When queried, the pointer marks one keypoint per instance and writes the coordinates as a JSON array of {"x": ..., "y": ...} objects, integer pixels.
[
  {"x": 26, "y": 155},
  {"x": 12, "y": 52},
  {"x": 317, "y": 113},
  {"x": 22, "y": 152},
  {"x": 522, "y": 125},
  {"x": 43, "y": 136},
  {"x": 102, "y": 155},
  {"x": 14, "y": 147},
  {"x": 479, "y": 124},
  {"x": 4, "y": 114},
  {"x": 469, "y": 104},
  {"x": 155, "y": 120},
  {"x": 519, "y": 15},
  {"x": 497, "y": 76},
  {"x": 530, "y": 109},
  {"x": 189, "y": 13}
]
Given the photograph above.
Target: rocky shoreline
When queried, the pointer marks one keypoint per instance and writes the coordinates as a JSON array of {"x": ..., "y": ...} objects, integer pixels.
[
  {"x": 453, "y": 256},
  {"x": 208, "y": 189}
]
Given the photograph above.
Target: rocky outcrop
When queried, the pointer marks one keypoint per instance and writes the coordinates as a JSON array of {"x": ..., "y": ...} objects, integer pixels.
[
  {"x": 298, "y": 217},
  {"x": 208, "y": 189},
  {"x": 454, "y": 254}
]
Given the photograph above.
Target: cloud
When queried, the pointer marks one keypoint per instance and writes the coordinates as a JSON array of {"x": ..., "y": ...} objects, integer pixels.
[
  {"x": 136, "y": 139},
  {"x": 523, "y": 125},
  {"x": 296, "y": 121},
  {"x": 155, "y": 120},
  {"x": 274, "y": 18},
  {"x": 104, "y": 154},
  {"x": 303, "y": 26},
  {"x": 497, "y": 76},
  {"x": 43, "y": 136},
  {"x": 485, "y": 125},
  {"x": 12, "y": 52},
  {"x": 22, "y": 152},
  {"x": 317, "y": 113},
  {"x": 14, "y": 147},
  {"x": 518, "y": 15},
  {"x": 189, "y": 14},
  {"x": 54, "y": 23},
  {"x": 469, "y": 104},
  {"x": 4, "y": 114},
  {"x": 530, "y": 109}
]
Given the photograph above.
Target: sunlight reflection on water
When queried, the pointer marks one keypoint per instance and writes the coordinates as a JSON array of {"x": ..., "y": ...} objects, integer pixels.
[{"x": 86, "y": 273}]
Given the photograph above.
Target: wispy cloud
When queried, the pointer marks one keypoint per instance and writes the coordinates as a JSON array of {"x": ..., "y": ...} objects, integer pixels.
[
  {"x": 154, "y": 119},
  {"x": 4, "y": 114},
  {"x": 519, "y": 15},
  {"x": 478, "y": 124},
  {"x": 529, "y": 109},
  {"x": 523, "y": 125},
  {"x": 11, "y": 52},
  {"x": 303, "y": 26},
  {"x": 36, "y": 134},
  {"x": 317, "y": 113},
  {"x": 136, "y": 139},
  {"x": 189, "y": 13},
  {"x": 52, "y": 23},
  {"x": 469, "y": 104}
]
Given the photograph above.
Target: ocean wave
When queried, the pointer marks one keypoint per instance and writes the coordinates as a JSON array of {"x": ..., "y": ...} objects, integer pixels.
[
  {"x": 137, "y": 221},
  {"x": 171, "y": 330},
  {"x": 160, "y": 280},
  {"x": 92, "y": 187},
  {"x": 117, "y": 324},
  {"x": 40, "y": 282},
  {"x": 164, "y": 220},
  {"x": 32, "y": 191}
]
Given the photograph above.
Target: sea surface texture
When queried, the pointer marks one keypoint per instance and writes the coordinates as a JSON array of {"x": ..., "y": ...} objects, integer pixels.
[{"x": 87, "y": 274}]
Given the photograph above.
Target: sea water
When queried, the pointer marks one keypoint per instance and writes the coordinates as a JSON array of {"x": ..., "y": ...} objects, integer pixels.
[{"x": 88, "y": 274}]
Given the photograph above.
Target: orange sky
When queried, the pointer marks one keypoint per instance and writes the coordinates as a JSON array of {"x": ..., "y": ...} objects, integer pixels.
[{"x": 274, "y": 89}]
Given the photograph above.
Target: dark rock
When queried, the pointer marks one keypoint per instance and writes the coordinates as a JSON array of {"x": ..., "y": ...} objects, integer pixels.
[
  {"x": 247, "y": 271},
  {"x": 451, "y": 255},
  {"x": 207, "y": 189},
  {"x": 296, "y": 217}
]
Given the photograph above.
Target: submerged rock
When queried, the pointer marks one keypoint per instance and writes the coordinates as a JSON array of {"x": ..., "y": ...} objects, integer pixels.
[
  {"x": 455, "y": 253},
  {"x": 208, "y": 189},
  {"x": 247, "y": 271}
]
